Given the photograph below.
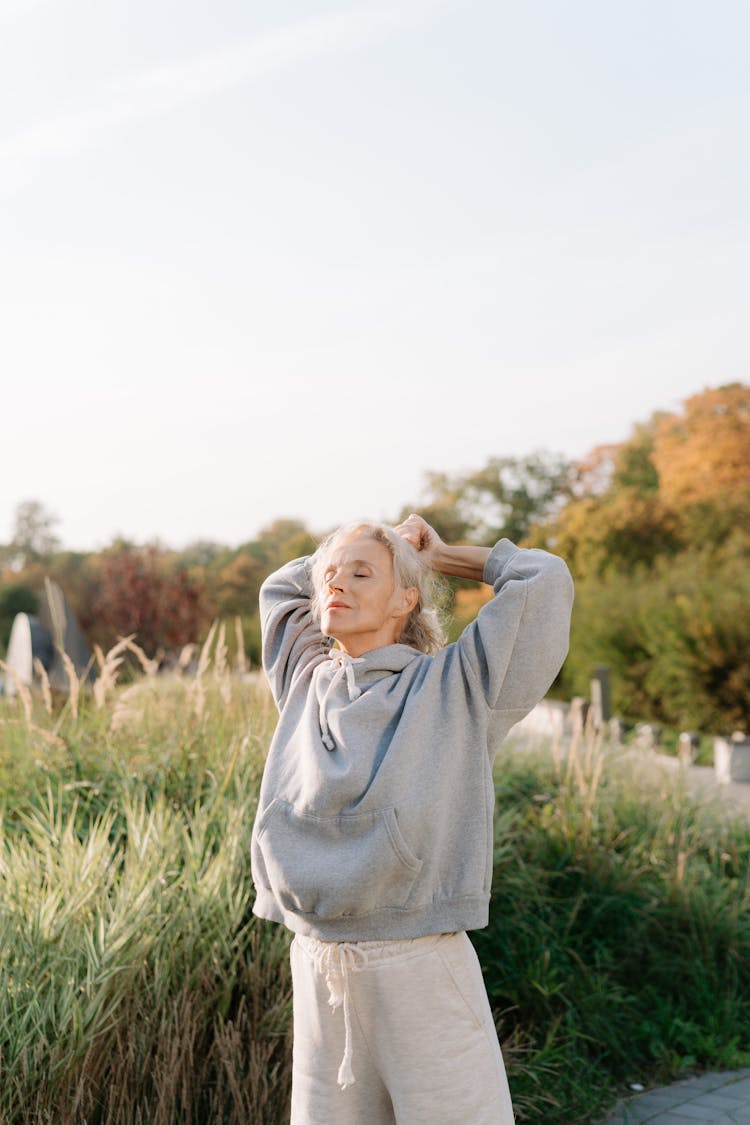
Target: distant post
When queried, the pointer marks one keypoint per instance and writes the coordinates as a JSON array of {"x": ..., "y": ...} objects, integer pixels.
[
  {"x": 601, "y": 699},
  {"x": 687, "y": 746}
]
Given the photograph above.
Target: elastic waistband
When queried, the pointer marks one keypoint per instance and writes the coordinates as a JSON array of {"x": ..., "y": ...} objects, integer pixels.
[{"x": 368, "y": 953}]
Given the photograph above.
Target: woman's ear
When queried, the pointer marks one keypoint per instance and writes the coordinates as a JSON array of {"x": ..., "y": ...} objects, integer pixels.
[{"x": 408, "y": 598}]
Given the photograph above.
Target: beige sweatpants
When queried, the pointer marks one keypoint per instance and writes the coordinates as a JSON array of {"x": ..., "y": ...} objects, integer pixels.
[{"x": 394, "y": 1033}]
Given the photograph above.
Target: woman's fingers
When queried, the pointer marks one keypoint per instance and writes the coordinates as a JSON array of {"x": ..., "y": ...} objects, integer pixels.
[{"x": 416, "y": 531}]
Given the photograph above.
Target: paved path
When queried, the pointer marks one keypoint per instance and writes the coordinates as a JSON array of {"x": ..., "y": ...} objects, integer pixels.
[
  {"x": 702, "y": 782},
  {"x": 721, "y": 1099}
]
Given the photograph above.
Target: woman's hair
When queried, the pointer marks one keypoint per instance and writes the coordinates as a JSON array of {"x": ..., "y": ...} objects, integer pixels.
[{"x": 422, "y": 629}]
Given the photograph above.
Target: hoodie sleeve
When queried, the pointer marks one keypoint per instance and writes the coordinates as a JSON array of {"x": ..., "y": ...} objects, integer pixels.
[
  {"x": 291, "y": 638},
  {"x": 516, "y": 646}
]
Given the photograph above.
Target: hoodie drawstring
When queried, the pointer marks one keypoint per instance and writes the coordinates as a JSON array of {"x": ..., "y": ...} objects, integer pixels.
[{"x": 345, "y": 670}]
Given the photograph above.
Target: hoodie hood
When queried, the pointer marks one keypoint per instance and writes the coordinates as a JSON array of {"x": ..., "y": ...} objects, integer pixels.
[{"x": 389, "y": 658}]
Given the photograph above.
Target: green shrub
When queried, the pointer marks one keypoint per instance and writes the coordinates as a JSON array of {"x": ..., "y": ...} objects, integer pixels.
[
  {"x": 14, "y": 598},
  {"x": 675, "y": 637}
]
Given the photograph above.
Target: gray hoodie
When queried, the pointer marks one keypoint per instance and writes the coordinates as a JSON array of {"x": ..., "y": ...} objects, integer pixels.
[{"x": 375, "y": 812}]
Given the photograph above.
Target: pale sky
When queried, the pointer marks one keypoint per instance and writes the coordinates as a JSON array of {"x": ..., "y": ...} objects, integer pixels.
[{"x": 280, "y": 259}]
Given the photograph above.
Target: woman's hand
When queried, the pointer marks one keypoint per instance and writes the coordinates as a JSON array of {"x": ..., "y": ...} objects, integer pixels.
[
  {"x": 462, "y": 561},
  {"x": 422, "y": 537}
]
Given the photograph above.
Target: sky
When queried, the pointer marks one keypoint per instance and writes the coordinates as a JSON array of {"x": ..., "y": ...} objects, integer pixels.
[{"x": 282, "y": 259}]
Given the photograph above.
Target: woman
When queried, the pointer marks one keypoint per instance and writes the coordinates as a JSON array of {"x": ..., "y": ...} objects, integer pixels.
[{"x": 373, "y": 839}]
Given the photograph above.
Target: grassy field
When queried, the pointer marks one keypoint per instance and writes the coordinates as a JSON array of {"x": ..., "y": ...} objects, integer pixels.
[{"x": 136, "y": 986}]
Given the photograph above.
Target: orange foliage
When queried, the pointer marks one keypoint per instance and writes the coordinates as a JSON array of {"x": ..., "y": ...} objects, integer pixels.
[{"x": 702, "y": 455}]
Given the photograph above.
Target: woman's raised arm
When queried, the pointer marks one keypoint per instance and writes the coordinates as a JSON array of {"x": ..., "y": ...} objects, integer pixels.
[{"x": 461, "y": 562}]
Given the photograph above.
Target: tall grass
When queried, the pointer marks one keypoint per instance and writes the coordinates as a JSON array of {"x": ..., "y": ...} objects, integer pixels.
[
  {"x": 135, "y": 984},
  {"x": 137, "y": 987}
]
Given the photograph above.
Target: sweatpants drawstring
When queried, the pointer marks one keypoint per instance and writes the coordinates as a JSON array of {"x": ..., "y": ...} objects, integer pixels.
[{"x": 336, "y": 961}]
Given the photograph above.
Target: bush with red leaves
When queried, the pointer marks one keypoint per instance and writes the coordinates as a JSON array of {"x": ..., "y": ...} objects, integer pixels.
[{"x": 141, "y": 591}]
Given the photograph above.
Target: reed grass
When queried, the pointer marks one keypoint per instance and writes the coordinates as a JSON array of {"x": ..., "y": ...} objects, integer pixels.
[{"x": 135, "y": 983}]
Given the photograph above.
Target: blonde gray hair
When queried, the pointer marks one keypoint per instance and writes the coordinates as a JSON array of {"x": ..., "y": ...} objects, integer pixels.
[{"x": 422, "y": 629}]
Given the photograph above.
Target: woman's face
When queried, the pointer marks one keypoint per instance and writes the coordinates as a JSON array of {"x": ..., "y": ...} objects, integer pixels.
[{"x": 361, "y": 605}]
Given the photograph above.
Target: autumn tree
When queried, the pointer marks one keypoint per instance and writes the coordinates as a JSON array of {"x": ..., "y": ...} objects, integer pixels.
[
  {"x": 142, "y": 591},
  {"x": 615, "y": 518},
  {"x": 232, "y": 577},
  {"x": 657, "y": 536},
  {"x": 680, "y": 478},
  {"x": 702, "y": 457}
]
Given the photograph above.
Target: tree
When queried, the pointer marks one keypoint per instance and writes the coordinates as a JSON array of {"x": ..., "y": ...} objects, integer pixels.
[
  {"x": 442, "y": 506},
  {"x": 238, "y": 584},
  {"x": 281, "y": 541},
  {"x": 505, "y": 498},
  {"x": 617, "y": 532},
  {"x": 33, "y": 535},
  {"x": 617, "y": 517},
  {"x": 204, "y": 553},
  {"x": 657, "y": 536}
]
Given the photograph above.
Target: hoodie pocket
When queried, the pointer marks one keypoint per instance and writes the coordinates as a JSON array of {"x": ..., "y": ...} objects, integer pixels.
[{"x": 337, "y": 866}]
